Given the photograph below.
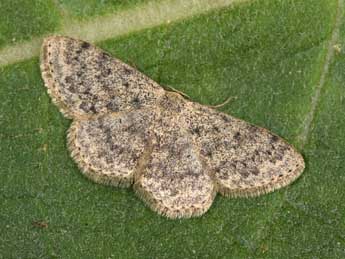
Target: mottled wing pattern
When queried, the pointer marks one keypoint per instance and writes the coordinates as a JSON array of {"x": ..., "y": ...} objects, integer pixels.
[
  {"x": 109, "y": 148},
  {"x": 178, "y": 154},
  {"x": 174, "y": 181},
  {"x": 245, "y": 160},
  {"x": 84, "y": 80}
]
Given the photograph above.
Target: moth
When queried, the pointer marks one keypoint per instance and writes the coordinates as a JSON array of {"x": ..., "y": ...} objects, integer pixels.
[{"x": 176, "y": 154}]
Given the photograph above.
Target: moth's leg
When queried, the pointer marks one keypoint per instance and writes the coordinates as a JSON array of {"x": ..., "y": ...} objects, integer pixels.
[
  {"x": 174, "y": 181},
  {"x": 84, "y": 80},
  {"x": 109, "y": 148},
  {"x": 245, "y": 160}
]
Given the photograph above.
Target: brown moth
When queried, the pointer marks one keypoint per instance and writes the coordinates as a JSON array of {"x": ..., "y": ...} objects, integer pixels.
[{"x": 177, "y": 154}]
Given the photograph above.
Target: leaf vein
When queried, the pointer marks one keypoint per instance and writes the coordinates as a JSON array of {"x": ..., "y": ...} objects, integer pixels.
[
  {"x": 309, "y": 119},
  {"x": 121, "y": 23}
]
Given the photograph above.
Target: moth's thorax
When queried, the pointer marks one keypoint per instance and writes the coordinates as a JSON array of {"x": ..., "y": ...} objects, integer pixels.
[{"x": 173, "y": 102}]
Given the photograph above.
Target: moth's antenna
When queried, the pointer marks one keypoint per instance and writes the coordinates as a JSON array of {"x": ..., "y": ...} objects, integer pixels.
[
  {"x": 223, "y": 103},
  {"x": 172, "y": 89}
]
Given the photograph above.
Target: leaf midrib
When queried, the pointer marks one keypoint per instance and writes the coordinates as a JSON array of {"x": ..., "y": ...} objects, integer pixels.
[{"x": 121, "y": 23}]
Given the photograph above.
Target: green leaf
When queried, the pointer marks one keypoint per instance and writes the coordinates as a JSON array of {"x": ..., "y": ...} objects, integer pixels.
[
  {"x": 284, "y": 60},
  {"x": 23, "y": 19},
  {"x": 86, "y": 9}
]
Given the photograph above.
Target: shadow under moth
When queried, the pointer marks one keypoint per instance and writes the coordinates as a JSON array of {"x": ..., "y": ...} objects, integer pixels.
[{"x": 176, "y": 154}]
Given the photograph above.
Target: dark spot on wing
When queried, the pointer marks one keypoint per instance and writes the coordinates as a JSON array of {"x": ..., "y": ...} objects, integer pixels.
[
  {"x": 93, "y": 108},
  {"x": 68, "y": 79},
  {"x": 127, "y": 71},
  {"x": 237, "y": 136},
  {"x": 255, "y": 171},
  {"x": 209, "y": 154},
  {"x": 105, "y": 55},
  {"x": 85, "y": 45},
  {"x": 136, "y": 102},
  {"x": 86, "y": 107},
  {"x": 244, "y": 173},
  {"x": 225, "y": 118},
  {"x": 274, "y": 139},
  {"x": 72, "y": 89},
  {"x": 215, "y": 128},
  {"x": 196, "y": 130},
  {"x": 112, "y": 106},
  {"x": 105, "y": 71}
]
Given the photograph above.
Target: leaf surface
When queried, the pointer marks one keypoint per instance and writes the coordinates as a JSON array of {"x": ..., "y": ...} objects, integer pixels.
[{"x": 284, "y": 61}]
